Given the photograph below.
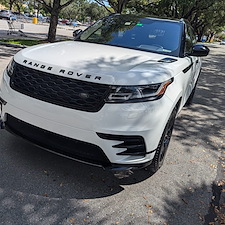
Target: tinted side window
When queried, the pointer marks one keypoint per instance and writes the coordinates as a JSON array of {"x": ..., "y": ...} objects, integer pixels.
[{"x": 190, "y": 38}]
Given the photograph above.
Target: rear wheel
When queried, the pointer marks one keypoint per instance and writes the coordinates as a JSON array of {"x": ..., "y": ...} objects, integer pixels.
[{"x": 163, "y": 144}]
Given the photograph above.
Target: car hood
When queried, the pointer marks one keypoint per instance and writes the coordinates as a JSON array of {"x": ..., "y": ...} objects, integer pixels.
[{"x": 98, "y": 63}]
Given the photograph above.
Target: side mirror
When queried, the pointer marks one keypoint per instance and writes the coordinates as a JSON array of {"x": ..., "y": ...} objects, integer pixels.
[
  {"x": 199, "y": 50},
  {"x": 77, "y": 32}
]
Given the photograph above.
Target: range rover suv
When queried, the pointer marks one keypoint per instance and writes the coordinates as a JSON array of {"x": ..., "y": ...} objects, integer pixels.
[{"x": 108, "y": 98}]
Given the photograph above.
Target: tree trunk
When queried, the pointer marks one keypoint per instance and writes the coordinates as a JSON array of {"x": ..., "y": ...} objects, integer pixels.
[
  {"x": 18, "y": 7},
  {"x": 117, "y": 6},
  {"x": 120, "y": 5},
  {"x": 11, "y": 4},
  {"x": 53, "y": 26},
  {"x": 54, "y": 10},
  {"x": 200, "y": 33},
  {"x": 199, "y": 37}
]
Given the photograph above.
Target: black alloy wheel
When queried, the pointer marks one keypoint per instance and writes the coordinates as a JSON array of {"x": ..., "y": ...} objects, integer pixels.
[{"x": 163, "y": 144}]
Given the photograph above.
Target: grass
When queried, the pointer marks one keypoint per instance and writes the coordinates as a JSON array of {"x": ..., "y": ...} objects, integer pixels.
[{"x": 26, "y": 42}]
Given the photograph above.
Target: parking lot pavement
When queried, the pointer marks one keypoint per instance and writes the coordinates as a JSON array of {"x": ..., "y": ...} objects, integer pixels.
[
  {"x": 37, "y": 187},
  {"x": 37, "y": 31},
  {"x": 6, "y": 54}
]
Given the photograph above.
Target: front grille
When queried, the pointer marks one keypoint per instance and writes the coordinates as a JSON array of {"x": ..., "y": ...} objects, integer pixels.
[
  {"x": 76, "y": 149},
  {"x": 63, "y": 91}
]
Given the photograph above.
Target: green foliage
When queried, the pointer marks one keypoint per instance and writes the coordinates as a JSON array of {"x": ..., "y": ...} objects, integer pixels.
[
  {"x": 116, "y": 6},
  {"x": 221, "y": 36},
  {"x": 95, "y": 11},
  {"x": 204, "y": 15},
  {"x": 82, "y": 9},
  {"x": 26, "y": 42}
]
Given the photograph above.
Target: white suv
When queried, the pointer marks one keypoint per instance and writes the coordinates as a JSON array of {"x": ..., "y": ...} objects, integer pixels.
[{"x": 110, "y": 97}]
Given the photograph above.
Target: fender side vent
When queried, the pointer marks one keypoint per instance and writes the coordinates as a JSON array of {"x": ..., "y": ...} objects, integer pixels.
[
  {"x": 134, "y": 145},
  {"x": 167, "y": 60}
]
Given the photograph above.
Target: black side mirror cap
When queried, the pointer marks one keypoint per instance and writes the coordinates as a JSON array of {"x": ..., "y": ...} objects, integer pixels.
[
  {"x": 199, "y": 50},
  {"x": 76, "y": 33}
]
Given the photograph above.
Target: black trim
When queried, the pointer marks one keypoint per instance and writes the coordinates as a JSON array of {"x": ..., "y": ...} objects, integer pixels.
[
  {"x": 187, "y": 68},
  {"x": 134, "y": 144},
  {"x": 121, "y": 167},
  {"x": 167, "y": 60},
  {"x": 2, "y": 101},
  {"x": 182, "y": 41},
  {"x": 75, "y": 149}
]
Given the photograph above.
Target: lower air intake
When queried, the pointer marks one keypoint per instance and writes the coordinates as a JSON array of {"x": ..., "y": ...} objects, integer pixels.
[{"x": 134, "y": 145}]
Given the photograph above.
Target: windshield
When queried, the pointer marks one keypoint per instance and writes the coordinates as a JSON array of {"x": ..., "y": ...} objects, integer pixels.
[{"x": 148, "y": 34}]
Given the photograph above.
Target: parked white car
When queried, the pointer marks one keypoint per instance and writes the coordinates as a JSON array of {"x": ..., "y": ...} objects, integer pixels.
[
  {"x": 109, "y": 98},
  {"x": 7, "y": 14}
]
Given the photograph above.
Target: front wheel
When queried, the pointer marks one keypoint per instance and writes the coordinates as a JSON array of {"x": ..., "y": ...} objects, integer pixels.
[{"x": 163, "y": 143}]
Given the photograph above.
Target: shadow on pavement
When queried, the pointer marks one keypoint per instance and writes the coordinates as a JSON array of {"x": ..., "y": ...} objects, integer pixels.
[
  {"x": 59, "y": 175},
  {"x": 179, "y": 210},
  {"x": 6, "y": 52},
  {"x": 207, "y": 126}
]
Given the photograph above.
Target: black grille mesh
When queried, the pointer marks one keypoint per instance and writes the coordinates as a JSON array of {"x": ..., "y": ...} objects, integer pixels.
[
  {"x": 76, "y": 149},
  {"x": 63, "y": 91}
]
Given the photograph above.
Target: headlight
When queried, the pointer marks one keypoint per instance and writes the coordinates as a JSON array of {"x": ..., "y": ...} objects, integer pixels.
[
  {"x": 10, "y": 68},
  {"x": 125, "y": 94}
]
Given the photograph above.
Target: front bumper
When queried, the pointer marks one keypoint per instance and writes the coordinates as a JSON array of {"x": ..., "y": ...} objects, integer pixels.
[
  {"x": 75, "y": 133},
  {"x": 70, "y": 148}
]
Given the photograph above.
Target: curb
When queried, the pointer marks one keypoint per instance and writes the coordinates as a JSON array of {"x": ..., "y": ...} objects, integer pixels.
[{"x": 13, "y": 45}]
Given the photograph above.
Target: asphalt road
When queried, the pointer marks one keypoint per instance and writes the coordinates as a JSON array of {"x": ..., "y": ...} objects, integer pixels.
[{"x": 40, "y": 188}]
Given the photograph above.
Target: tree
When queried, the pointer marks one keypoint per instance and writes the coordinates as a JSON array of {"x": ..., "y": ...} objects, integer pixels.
[
  {"x": 95, "y": 11},
  {"x": 80, "y": 10},
  {"x": 117, "y": 5},
  {"x": 11, "y": 3},
  {"x": 54, "y": 7},
  {"x": 19, "y": 5},
  {"x": 203, "y": 15},
  {"x": 74, "y": 10}
]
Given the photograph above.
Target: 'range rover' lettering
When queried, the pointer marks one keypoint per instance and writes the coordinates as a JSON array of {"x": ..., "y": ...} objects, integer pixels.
[{"x": 61, "y": 71}]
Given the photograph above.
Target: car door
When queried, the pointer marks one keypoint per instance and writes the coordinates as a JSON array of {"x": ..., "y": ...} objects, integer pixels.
[{"x": 193, "y": 70}]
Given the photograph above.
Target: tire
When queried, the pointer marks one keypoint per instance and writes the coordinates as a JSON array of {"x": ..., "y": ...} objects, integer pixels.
[{"x": 163, "y": 144}]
